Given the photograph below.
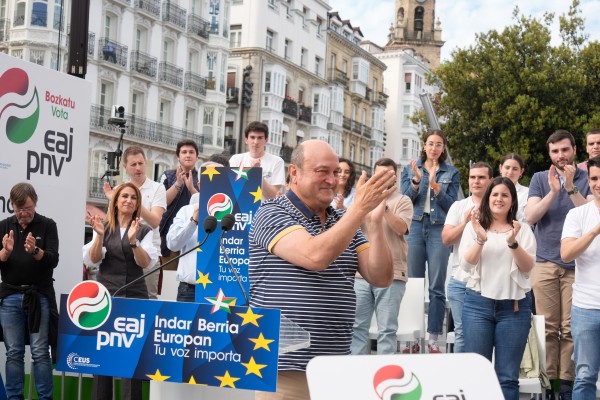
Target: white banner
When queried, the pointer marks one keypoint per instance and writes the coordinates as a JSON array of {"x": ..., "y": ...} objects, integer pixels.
[{"x": 44, "y": 135}]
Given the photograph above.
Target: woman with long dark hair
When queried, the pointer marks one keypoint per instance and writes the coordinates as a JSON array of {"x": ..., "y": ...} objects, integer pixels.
[
  {"x": 512, "y": 167},
  {"x": 121, "y": 248},
  {"x": 498, "y": 253},
  {"x": 432, "y": 185},
  {"x": 345, "y": 188}
]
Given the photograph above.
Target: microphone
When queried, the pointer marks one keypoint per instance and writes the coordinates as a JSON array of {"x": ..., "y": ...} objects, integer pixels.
[
  {"x": 227, "y": 223},
  {"x": 209, "y": 225}
]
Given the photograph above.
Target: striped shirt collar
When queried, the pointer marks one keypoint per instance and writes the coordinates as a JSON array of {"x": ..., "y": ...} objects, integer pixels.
[{"x": 303, "y": 208}]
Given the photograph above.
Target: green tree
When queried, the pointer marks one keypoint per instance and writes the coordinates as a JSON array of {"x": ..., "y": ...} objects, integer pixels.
[{"x": 513, "y": 88}]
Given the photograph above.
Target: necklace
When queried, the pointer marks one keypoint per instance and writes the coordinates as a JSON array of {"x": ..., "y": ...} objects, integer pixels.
[{"x": 504, "y": 229}]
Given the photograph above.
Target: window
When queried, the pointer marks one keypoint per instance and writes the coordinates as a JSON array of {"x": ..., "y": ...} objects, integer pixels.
[
  {"x": 19, "y": 14},
  {"x": 207, "y": 125},
  {"x": 54, "y": 61},
  {"x": 272, "y": 4},
  {"x": 57, "y": 20},
  {"x": 352, "y": 151},
  {"x": 405, "y": 148},
  {"x": 407, "y": 82},
  {"x": 106, "y": 94},
  {"x": 406, "y": 112},
  {"x": 268, "y": 82},
  {"x": 168, "y": 50},
  {"x": 304, "y": 16},
  {"x": 303, "y": 58},
  {"x": 301, "y": 96},
  {"x": 287, "y": 51},
  {"x": 190, "y": 119},
  {"x": 220, "y": 128},
  {"x": 137, "y": 104},
  {"x": 141, "y": 39},
  {"x": 37, "y": 56},
  {"x": 345, "y": 67},
  {"x": 39, "y": 13},
  {"x": 270, "y": 39},
  {"x": 318, "y": 66},
  {"x": 316, "y": 103},
  {"x": 159, "y": 168},
  {"x": 319, "y": 27},
  {"x": 164, "y": 112},
  {"x": 193, "y": 57},
  {"x": 235, "y": 36},
  {"x": 360, "y": 70},
  {"x": 110, "y": 23},
  {"x": 362, "y": 155},
  {"x": 98, "y": 167},
  {"x": 213, "y": 11}
]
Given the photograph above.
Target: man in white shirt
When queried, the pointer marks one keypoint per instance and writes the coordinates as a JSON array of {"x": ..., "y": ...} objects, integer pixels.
[
  {"x": 256, "y": 137},
  {"x": 459, "y": 214},
  {"x": 580, "y": 242},
  {"x": 154, "y": 202},
  {"x": 183, "y": 236}
]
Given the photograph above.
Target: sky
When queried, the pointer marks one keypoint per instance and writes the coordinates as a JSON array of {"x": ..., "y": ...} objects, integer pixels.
[{"x": 462, "y": 19}]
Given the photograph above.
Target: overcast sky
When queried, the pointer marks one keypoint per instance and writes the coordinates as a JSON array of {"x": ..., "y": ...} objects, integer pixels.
[{"x": 461, "y": 19}]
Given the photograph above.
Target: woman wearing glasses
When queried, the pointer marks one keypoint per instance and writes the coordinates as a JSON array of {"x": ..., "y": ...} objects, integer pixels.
[{"x": 432, "y": 186}]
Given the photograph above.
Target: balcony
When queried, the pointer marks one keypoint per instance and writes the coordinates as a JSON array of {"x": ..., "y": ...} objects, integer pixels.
[
  {"x": 95, "y": 190},
  {"x": 195, "y": 83},
  {"x": 382, "y": 98},
  {"x": 143, "y": 63},
  {"x": 233, "y": 95},
  {"x": 150, "y": 7},
  {"x": 142, "y": 129},
  {"x": 174, "y": 15},
  {"x": 198, "y": 26},
  {"x": 290, "y": 107},
  {"x": 286, "y": 153},
  {"x": 169, "y": 73},
  {"x": 305, "y": 114},
  {"x": 112, "y": 51},
  {"x": 337, "y": 76}
]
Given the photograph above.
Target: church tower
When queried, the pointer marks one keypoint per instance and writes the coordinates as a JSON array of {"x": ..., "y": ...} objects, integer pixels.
[{"x": 416, "y": 27}]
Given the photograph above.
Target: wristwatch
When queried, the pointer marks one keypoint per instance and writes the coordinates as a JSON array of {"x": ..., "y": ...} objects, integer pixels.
[
  {"x": 36, "y": 251},
  {"x": 514, "y": 245},
  {"x": 416, "y": 183},
  {"x": 136, "y": 244},
  {"x": 193, "y": 220},
  {"x": 574, "y": 191}
]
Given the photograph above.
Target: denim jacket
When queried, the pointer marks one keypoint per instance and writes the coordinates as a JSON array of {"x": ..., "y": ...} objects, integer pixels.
[{"x": 449, "y": 181}]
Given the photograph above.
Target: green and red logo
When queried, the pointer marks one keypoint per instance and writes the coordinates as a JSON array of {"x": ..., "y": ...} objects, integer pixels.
[
  {"x": 393, "y": 382},
  {"x": 19, "y": 106},
  {"x": 89, "y": 305},
  {"x": 219, "y": 205}
]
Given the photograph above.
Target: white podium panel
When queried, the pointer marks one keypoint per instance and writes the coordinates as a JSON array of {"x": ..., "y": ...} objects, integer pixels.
[{"x": 427, "y": 376}]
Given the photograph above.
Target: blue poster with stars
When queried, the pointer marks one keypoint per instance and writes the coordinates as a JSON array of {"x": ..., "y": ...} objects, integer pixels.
[
  {"x": 235, "y": 347},
  {"x": 224, "y": 190}
]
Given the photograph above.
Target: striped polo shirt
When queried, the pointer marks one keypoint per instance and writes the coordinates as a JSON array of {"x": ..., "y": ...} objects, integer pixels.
[{"x": 321, "y": 302}]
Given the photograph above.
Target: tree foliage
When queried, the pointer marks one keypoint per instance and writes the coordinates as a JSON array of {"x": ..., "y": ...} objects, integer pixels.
[{"x": 512, "y": 89}]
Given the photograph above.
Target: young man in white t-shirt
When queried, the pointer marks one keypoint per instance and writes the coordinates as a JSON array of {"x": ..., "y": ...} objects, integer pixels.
[
  {"x": 580, "y": 242},
  {"x": 256, "y": 137},
  {"x": 459, "y": 214},
  {"x": 154, "y": 202}
]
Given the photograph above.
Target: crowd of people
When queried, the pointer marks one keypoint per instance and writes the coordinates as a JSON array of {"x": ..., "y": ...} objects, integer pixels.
[{"x": 330, "y": 235}]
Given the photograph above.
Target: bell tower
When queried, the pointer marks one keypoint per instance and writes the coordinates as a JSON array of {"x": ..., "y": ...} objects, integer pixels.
[{"x": 415, "y": 26}]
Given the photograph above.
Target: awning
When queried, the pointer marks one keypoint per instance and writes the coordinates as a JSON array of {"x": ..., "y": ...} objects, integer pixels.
[
  {"x": 300, "y": 133},
  {"x": 91, "y": 210}
]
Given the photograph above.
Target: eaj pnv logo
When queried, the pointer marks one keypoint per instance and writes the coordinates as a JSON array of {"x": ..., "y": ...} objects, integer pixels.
[
  {"x": 393, "y": 382},
  {"x": 19, "y": 106},
  {"x": 218, "y": 205},
  {"x": 89, "y": 305}
]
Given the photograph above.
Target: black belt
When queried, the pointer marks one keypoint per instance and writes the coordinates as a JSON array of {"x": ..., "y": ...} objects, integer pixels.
[{"x": 187, "y": 284}]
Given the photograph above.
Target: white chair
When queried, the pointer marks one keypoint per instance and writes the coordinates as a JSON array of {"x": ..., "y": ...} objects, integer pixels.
[
  {"x": 533, "y": 385},
  {"x": 411, "y": 317}
]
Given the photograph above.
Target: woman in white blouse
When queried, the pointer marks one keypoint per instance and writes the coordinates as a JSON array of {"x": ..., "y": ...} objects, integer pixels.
[
  {"x": 512, "y": 167},
  {"x": 498, "y": 253}
]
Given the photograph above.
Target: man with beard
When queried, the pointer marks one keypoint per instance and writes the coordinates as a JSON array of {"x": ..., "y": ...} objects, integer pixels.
[{"x": 552, "y": 194}]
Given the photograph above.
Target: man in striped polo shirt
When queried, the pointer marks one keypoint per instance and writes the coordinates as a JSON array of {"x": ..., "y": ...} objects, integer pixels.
[{"x": 304, "y": 255}]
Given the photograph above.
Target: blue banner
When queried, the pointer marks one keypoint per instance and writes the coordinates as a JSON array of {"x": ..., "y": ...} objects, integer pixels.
[
  {"x": 2, "y": 389},
  {"x": 236, "y": 191},
  {"x": 224, "y": 346}
]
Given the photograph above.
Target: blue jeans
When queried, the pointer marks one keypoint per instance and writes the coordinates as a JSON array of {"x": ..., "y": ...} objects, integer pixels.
[
  {"x": 186, "y": 292},
  {"x": 490, "y": 325},
  {"x": 386, "y": 304},
  {"x": 13, "y": 318},
  {"x": 456, "y": 297},
  {"x": 585, "y": 329},
  {"x": 425, "y": 246}
]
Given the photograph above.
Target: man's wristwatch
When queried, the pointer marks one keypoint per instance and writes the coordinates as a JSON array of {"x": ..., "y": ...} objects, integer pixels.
[
  {"x": 136, "y": 244},
  {"x": 575, "y": 190},
  {"x": 514, "y": 245},
  {"x": 193, "y": 220},
  {"x": 36, "y": 251},
  {"x": 416, "y": 183}
]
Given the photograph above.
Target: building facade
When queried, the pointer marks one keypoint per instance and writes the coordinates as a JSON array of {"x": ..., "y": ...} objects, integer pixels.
[{"x": 164, "y": 62}]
